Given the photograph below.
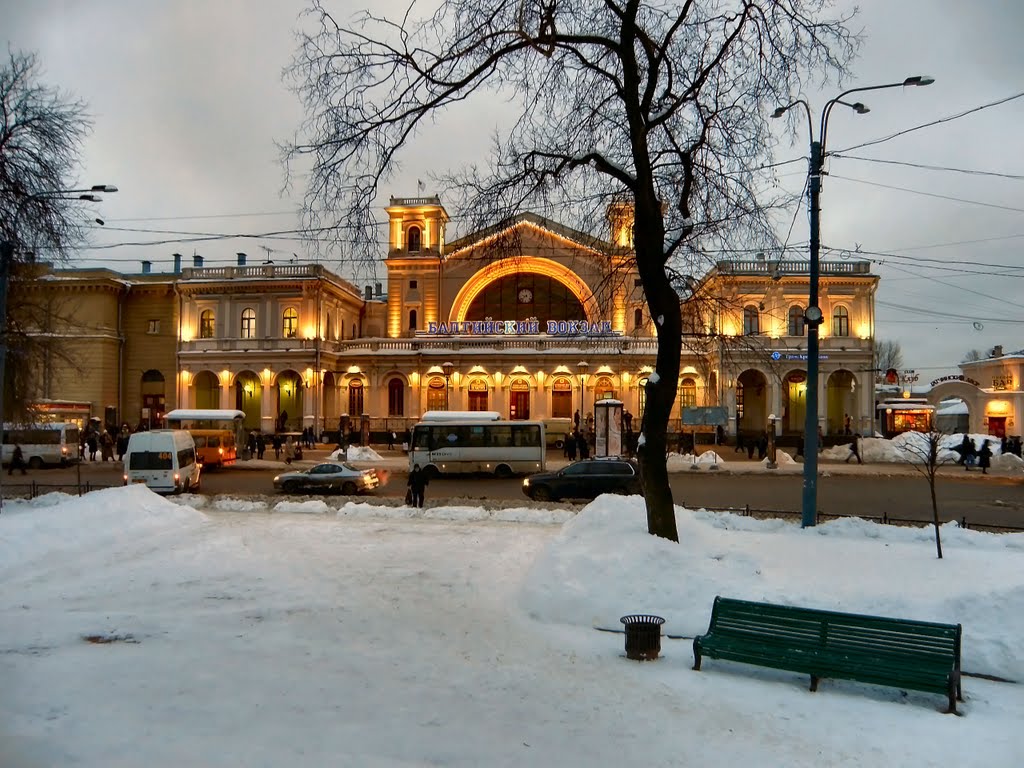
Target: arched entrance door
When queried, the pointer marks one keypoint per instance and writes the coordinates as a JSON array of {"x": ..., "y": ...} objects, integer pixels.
[
  {"x": 751, "y": 402},
  {"x": 249, "y": 399},
  {"x": 794, "y": 402},
  {"x": 843, "y": 414},
  {"x": 519, "y": 399},
  {"x": 478, "y": 395},
  {"x": 206, "y": 388},
  {"x": 329, "y": 401},
  {"x": 153, "y": 402},
  {"x": 289, "y": 402}
]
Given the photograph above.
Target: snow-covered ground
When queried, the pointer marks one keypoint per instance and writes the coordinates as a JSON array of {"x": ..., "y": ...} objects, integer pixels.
[{"x": 315, "y": 633}]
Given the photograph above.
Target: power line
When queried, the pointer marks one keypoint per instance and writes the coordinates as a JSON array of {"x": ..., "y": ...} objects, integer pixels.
[
  {"x": 1012, "y": 176},
  {"x": 947, "y": 119},
  {"x": 209, "y": 216},
  {"x": 928, "y": 195}
]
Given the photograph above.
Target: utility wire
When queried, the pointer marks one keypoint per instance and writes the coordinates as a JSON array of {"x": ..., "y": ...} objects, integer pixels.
[
  {"x": 1012, "y": 176},
  {"x": 928, "y": 194},
  {"x": 947, "y": 119}
]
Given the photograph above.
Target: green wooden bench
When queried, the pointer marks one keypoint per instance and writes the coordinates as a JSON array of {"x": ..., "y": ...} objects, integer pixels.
[{"x": 919, "y": 655}]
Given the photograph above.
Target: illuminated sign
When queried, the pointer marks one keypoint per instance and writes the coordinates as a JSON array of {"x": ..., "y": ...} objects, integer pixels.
[
  {"x": 520, "y": 327},
  {"x": 1002, "y": 382}
]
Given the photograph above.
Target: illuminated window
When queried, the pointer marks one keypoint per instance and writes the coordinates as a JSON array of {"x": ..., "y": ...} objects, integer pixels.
[
  {"x": 414, "y": 239},
  {"x": 290, "y": 323},
  {"x": 840, "y": 322},
  {"x": 751, "y": 320},
  {"x": 206, "y": 323},
  {"x": 688, "y": 393},
  {"x": 797, "y": 327},
  {"x": 248, "y": 323}
]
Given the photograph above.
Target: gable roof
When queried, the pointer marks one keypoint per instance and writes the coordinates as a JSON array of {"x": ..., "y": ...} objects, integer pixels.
[{"x": 508, "y": 227}]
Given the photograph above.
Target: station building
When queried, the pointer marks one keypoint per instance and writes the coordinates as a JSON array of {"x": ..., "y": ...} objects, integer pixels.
[{"x": 529, "y": 318}]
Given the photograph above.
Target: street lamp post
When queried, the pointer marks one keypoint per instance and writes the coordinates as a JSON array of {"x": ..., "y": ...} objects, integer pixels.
[
  {"x": 813, "y": 316},
  {"x": 583, "y": 366},
  {"x": 7, "y": 257},
  {"x": 447, "y": 367}
]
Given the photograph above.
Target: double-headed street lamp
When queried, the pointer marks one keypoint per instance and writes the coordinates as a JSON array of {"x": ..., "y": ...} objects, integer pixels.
[
  {"x": 812, "y": 315},
  {"x": 7, "y": 256},
  {"x": 583, "y": 366}
]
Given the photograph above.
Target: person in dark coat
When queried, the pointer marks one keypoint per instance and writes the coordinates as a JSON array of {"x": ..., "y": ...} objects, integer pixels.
[
  {"x": 985, "y": 458},
  {"x": 964, "y": 449},
  {"x": 581, "y": 444},
  {"x": 418, "y": 482},
  {"x": 970, "y": 452},
  {"x": 261, "y": 445},
  {"x": 276, "y": 442},
  {"x": 17, "y": 461},
  {"x": 122, "y": 442},
  {"x": 570, "y": 445},
  {"x": 762, "y": 445},
  {"x": 854, "y": 450},
  {"x": 93, "y": 443}
]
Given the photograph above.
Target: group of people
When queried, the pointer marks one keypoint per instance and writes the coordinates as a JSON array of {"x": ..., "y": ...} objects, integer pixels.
[
  {"x": 970, "y": 454},
  {"x": 96, "y": 439}
]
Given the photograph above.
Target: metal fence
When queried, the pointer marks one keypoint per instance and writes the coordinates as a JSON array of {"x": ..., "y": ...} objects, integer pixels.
[
  {"x": 884, "y": 518},
  {"x": 34, "y": 489}
]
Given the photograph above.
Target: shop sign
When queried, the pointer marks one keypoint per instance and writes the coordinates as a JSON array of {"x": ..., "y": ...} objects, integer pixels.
[
  {"x": 1002, "y": 382},
  {"x": 796, "y": 378},
  {"x": 562, "y": 385},
  {"x": 961, "y": 377},
  {"x": 801, "y": 356},
  {"x": 520, "y": 385},
  {"x": 478, "y": 385},
  {"x": 520, "y": 328}
]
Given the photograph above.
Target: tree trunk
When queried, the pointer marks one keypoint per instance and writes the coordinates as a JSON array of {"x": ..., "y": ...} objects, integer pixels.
[
  {"x": 661, "y": 389},
  {"x": 935, "y": 516}
]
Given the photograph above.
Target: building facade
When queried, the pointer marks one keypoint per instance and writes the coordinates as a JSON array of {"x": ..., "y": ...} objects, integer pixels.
[{"x": 528, "y": 318}]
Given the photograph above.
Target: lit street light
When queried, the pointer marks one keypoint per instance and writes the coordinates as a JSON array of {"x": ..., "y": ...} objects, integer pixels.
[
  {"x": 812, "y": 315},
  {"x": 447, "y": 367},
  {"x": 7, "y": 256}
]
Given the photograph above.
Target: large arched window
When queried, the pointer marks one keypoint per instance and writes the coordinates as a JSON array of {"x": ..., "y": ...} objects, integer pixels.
[
  {"x": 688, "y": 393},
  {"x": 249, "y": 323},
  {"x": 797, "y": 327},
  {"x": 207, "y": 322},
  {"x": 840, "y": 322},
  {"x": 396, "y": 397},
  {"x": 290, "y": 323},
  {"x": 751, "y": 320},
  {"x": 414, "y": 236}
]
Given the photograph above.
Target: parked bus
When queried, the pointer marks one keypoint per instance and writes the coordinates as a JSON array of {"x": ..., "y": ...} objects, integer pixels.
[
  {"x": 451, "y": 442},
  {"x": 56, "y": 443},
  {"x": 216, "y": 432}
]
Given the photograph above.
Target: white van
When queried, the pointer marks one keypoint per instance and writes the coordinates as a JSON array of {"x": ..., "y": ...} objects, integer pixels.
[{"x": 163, "y": 459}]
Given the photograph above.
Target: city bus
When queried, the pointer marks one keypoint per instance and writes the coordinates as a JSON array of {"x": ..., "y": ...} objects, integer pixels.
[
  {"x": 42, "y": 444},
  {"x": 457, "y": 442},
  {"x": 216, "y": 433}
]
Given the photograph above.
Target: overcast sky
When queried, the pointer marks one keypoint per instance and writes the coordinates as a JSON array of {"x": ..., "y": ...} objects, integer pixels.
[{"x": 188, "y": 100}]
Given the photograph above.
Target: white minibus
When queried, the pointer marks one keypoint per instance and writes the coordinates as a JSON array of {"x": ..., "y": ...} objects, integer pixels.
[
  {"x": 54, "y": 443},
  {"x": 163, "y": 459}
]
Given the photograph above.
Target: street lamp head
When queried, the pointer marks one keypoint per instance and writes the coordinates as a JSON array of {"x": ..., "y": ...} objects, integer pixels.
[
  {"x": 860, "y": 108},
  {"x": 582, "y": 366},
  {"x": 919, "y": 80},
  {"x": 91, "y": 198},
  {"x": 780, "y": 111},
  {"x": 448, "y": 368},
  {"x": 103, "y": 188}
]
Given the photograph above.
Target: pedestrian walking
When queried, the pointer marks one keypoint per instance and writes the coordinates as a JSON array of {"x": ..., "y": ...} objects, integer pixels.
[
  {"x": 582, "y": 446},
  {"x": 122, "y": 442},
  {"x": 17, "y": 461},
  {"x": 93, "y": 445},
  {"x": 854, "y": 450},
  {"x": 275, "y": 441},
  {"x": 106, "y": 446},
  {"x": 417, "y": 483},
  {"x": 261, "y": 445},
  {"x": 289, "y": 451},
  {"x": 985, "y": 457},
  {"x": 391, "y": 440},
  {"x": 571, "y": 442},
  {"x": 970, "y": 452}
]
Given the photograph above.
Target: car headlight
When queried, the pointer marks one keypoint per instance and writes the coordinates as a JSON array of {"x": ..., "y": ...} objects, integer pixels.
[{"x": 526, "y": 482}]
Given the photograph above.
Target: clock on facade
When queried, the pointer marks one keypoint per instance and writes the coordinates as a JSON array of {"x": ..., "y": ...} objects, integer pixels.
[{"x": 525, "y": 296}]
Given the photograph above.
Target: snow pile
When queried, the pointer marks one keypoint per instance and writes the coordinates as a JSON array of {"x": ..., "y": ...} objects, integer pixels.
[{"x": 355, "y": 453}]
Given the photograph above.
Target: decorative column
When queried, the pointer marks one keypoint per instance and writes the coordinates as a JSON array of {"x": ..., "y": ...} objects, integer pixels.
[{"x": 268, "y": 412}]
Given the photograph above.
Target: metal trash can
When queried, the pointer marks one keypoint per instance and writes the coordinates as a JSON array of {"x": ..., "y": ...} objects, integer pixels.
[{"x": 643, "y": 636}]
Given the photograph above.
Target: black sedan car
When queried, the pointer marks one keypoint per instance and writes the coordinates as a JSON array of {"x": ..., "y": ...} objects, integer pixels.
[{"x": 585, "y": 480}]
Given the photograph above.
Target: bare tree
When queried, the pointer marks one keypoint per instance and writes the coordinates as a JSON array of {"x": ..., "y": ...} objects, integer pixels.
[
  {"x": 664, "y": 103},
  {"x": 927, "y": 456},
  {"x": 888, "y": 354},
  {"x": 41, "y": 133},
  {"x": 972, "y": 356}
]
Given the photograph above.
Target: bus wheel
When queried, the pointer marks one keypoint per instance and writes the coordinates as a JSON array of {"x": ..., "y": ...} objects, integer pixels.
[
  {"x": 503, "y": 471},
  {"x": 35, "y": 463},
  {"x": 431, "y": 472}
]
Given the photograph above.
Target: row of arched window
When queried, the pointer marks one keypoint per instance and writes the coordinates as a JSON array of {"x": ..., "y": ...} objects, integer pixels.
[
  {"x": 796, "y": 325},
  {"x": 289, "y": 323}
]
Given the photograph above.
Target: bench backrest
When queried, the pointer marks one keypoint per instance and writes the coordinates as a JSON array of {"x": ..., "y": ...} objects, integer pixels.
[{"x": 842, "y": 632}]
